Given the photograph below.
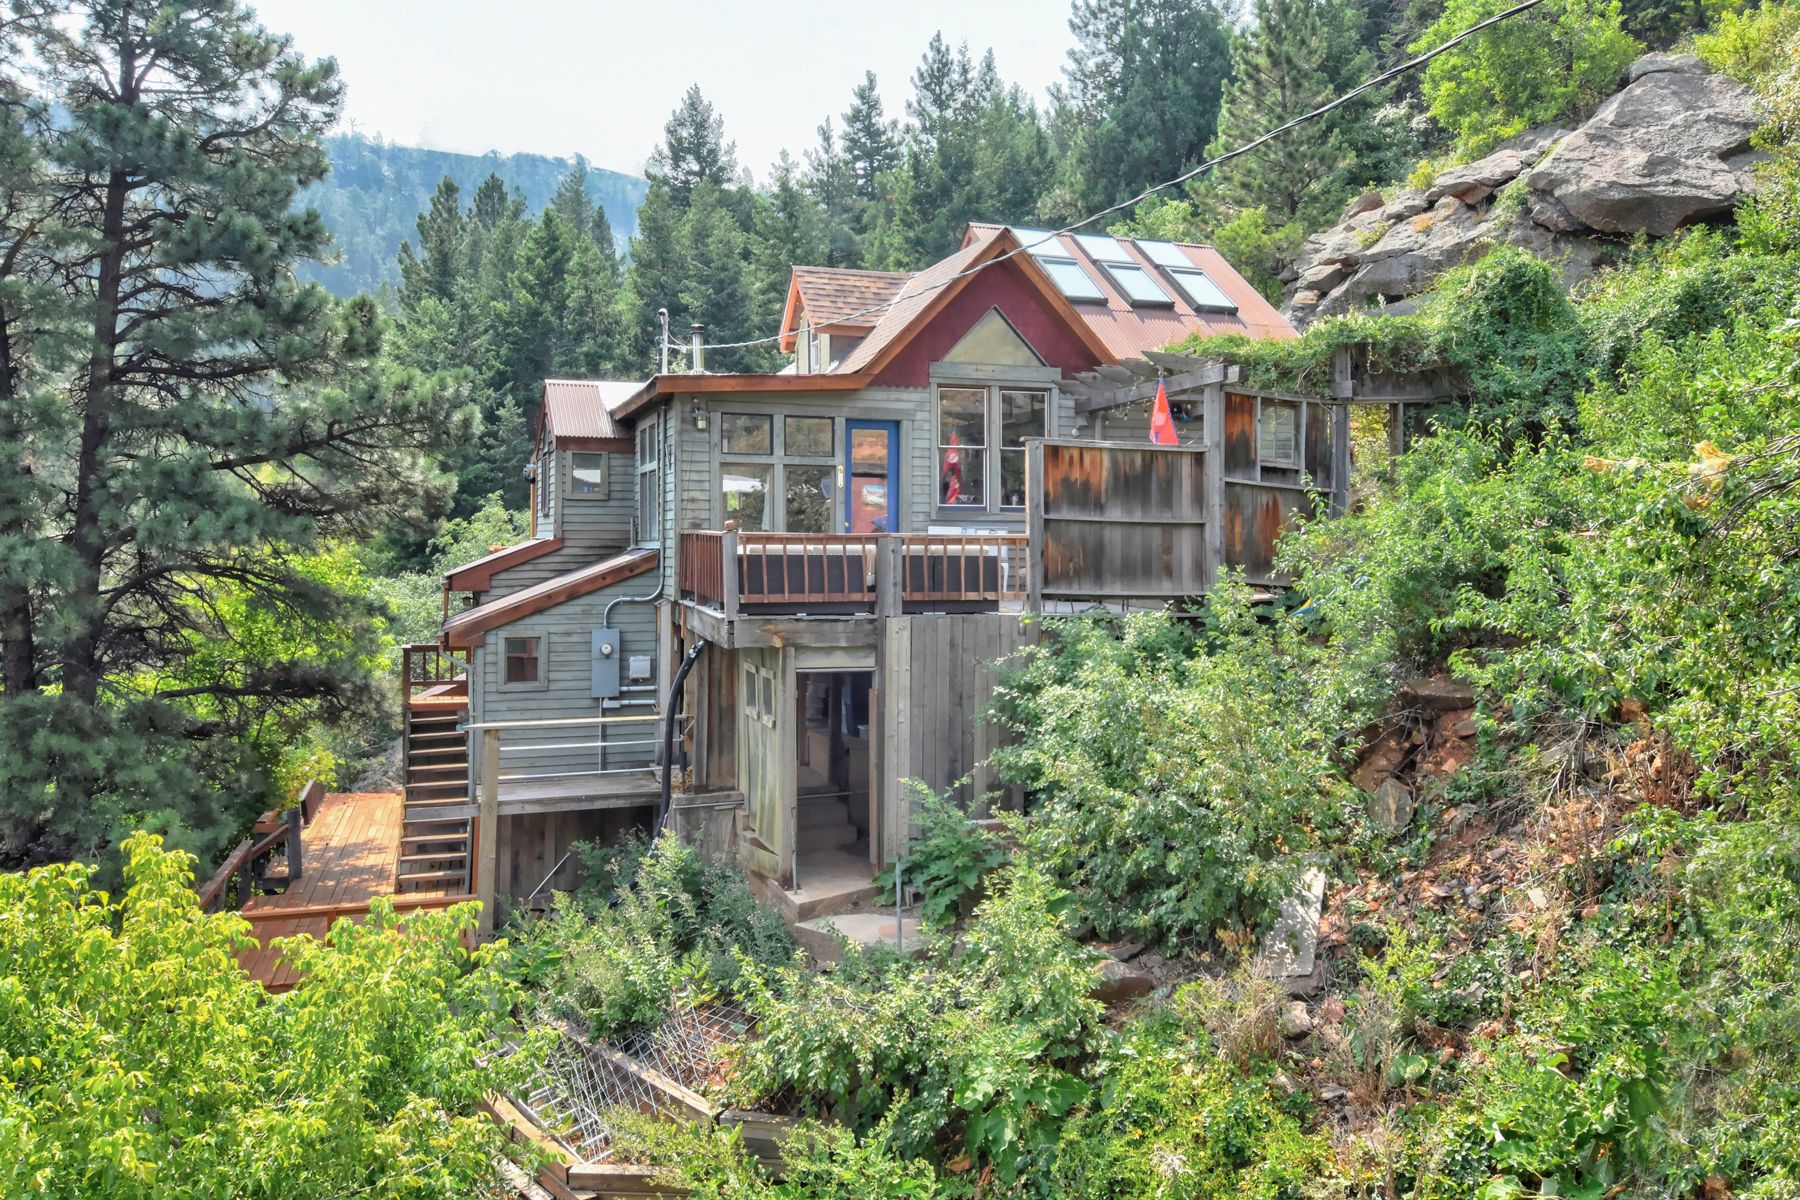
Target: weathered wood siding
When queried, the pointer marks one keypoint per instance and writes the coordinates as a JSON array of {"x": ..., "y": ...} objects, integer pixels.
[
  {"x": 935, "y": 675},
  {"x": 1113, "y": 521},
  {"x": 591, "y": 528},
  {"x": 530, "y": 846},
  {"x": 566, "y": 649},
  {"x": 1263, "y": 498}
]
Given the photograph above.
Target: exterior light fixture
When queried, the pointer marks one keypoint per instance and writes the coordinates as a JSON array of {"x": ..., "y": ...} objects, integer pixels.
[{"x": 699, "y": 411}]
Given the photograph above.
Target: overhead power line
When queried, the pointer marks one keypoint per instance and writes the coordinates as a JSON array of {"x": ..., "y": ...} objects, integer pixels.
[{"x": 1392, "y": 73}]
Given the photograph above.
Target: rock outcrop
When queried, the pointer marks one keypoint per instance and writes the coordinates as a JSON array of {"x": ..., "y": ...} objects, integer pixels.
[{"x": 1672, "y": 147}]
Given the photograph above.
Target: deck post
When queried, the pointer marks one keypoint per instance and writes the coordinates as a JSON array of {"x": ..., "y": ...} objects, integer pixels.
[
  {"x": 728, "y": 573},
  {"x": 1212, "y": 487},
  {"x": 295, "y": 818},
  {"x": 1034, "y": 525},
  {"x": 890, "y": 561},
  {"x": 487, "y": 828}
]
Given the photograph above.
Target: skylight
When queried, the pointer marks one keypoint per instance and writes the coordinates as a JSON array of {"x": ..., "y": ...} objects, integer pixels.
[
  {"x": 1039, "y": 242},
  {"x": 1201, "y": 291},
  {"x": 1166, "y": 254},
  {"x": 1136, "y": 283},
  {"x": 1103, "y": 248},
  {"x": 1071, "y": 279}
]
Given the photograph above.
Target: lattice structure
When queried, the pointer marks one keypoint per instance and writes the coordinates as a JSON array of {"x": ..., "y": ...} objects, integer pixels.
[{"x": 580, "y": 1085}]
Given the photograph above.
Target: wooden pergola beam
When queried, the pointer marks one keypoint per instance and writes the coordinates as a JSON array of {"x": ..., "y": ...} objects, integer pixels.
[{"x": 1204, "y": 376}]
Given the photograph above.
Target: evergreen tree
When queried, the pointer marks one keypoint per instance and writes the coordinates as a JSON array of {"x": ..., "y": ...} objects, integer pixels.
[
  {"x": 694, "y": 150},
  {"x": 214, "y": 421},
  {"x": 871, "y": 141},
  {"x": 716, "y": 290},
  {"x": 1280, "y": 69},
  {"x": 571, "y": 200},
  {"x": 790, "y": 231},
  {"x": 830, "y": 179},
  {"x": 434, "y": 269},
  {"x": 1143, "y": 97}
]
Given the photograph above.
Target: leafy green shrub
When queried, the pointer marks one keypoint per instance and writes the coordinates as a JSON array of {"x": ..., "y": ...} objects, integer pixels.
[
  {"x": 1173, "y": 1120},
  {"x": 682, "y": 925},
  {"x": 948, "y": 861},
  {"x": 1176, "y": 784},
  {"x": 978, "y": 1047},
  {"x": 1551, "y": 63}
]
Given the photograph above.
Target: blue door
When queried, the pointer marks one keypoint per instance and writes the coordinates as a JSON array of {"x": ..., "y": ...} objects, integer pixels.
[{"x": 871, "y": 474}]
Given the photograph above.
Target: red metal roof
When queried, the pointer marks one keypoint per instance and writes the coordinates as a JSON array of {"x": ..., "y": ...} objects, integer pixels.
[
  {"x": 583, "y": 408},
  {"x": 467, "y": 628}
]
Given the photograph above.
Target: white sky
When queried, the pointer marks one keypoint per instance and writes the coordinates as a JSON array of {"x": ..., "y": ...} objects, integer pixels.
[{"x": 562, "y": 77}]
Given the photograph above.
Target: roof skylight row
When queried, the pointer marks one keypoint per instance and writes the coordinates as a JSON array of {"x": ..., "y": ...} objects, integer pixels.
[{"x": 1138, "y": 285}]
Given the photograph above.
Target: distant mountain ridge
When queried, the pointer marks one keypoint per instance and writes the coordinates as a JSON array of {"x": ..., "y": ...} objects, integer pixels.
[{"x": 376, "y": 191}]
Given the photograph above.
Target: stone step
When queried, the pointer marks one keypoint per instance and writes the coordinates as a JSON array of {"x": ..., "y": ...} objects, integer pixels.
[{"x": 825, "y": 938}]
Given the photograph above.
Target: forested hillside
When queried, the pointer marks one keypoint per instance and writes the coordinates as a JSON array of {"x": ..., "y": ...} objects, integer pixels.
[{"x": 376, "y": 189}]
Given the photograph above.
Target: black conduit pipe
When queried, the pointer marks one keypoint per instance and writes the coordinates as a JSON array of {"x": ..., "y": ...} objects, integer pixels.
[{"x": 668, "y": 763}]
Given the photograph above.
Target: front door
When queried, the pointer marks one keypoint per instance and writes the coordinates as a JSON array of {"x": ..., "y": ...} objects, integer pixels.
[{"x": 872, "y": 476}]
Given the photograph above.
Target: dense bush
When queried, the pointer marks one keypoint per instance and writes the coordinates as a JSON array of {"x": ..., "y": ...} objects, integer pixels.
[
  {"x": 1178, "y": 777},
  {"x": 613, "y": 957},
  {"x": 138, "y": 1060},
  {"x": 980, "y": 1047}
]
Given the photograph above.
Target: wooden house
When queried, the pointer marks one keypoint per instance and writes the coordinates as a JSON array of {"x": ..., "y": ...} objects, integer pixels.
[{"x": 836, "y": 554}]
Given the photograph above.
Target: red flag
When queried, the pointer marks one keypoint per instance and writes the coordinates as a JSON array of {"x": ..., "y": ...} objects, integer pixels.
[
  {"x": 952, "y": 473},
  {"x": 1162, "y": 423}
]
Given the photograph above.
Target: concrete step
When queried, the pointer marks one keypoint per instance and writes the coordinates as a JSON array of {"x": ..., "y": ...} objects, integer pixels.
[
  {"x": 828, "y": 837},
  {"x": 830, "y": 882},
  {"x": 821, "y": 810},
  {"x": 825, "y": 938}
]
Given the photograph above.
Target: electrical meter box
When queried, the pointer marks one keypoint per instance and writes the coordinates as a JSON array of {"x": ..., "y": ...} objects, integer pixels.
[
  {"x": 639, "y": 668},
  {"x": 605, "y": 665}
]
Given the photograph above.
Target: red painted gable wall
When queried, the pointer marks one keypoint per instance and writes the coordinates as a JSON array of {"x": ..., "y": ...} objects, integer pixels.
[{"x": 1004, "y": 287}]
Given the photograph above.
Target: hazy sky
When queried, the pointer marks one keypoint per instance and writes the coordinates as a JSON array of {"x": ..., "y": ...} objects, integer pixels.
[{"x": 562, "y": 77}]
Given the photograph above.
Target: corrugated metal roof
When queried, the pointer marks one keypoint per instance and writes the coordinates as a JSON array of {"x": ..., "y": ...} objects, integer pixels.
[{"x": 583, "y": 408}]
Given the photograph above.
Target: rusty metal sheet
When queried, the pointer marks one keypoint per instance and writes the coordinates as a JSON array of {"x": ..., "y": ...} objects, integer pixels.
[
  {"x": 1240, "y": 434},
  {"x": 1255, "y": 517}
]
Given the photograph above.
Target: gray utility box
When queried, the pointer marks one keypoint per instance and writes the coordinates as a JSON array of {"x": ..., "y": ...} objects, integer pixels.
[{"x": 605, "y": 665}]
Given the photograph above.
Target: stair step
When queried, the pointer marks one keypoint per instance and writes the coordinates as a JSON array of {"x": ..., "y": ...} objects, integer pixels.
[
  {"x": 812, "y": 815},
  {"x": 447, "y": 856},
  {"x": 828, "y": 837},
  {"x": 433, "y": 839},
  {"x": 426, "y": 876},
  {"x": 439, "y": 768},
  {"x": 455, "y": 749}
]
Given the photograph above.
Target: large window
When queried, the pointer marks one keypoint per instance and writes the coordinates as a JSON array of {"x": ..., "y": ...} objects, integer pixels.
[
  {"x": 981, "y": 434},
  {"x": 778, "y": 473},
  {"x": 649, "y": 480}
]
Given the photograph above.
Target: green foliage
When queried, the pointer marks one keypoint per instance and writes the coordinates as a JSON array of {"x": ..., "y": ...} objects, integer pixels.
[
  {"x": 1549, "y": 64},
  {"x": 949, "y": 860},
  {"x": 1183, "y": 813},
  {"x": 139, "y": 1060},
  {"x": 978, "y": 1047},
  {"x": 1174, "y": 1119},
  {"x": 683, "y": 925},
  {"x": 820, "y": 1161}
]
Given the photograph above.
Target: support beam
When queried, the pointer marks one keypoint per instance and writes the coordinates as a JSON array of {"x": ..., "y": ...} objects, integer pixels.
[
  {"x": 487, "y": 829},
  {"x": 1206, "y": 376}
]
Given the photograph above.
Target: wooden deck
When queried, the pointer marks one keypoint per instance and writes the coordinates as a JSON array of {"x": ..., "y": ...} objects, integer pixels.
[{"x": 350, "y": 852}]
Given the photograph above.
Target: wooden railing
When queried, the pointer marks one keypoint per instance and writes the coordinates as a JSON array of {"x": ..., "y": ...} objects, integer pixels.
[
  {"x": 857, "y": 573},
  {"x": 427, "y": 665}
]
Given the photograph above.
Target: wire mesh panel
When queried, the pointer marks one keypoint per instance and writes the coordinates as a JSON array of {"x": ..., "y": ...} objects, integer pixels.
[{"x": 576, "y": 1092}]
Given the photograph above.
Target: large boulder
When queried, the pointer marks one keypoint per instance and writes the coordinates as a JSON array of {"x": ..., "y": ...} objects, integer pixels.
[{"x": 1671, "y": 149}]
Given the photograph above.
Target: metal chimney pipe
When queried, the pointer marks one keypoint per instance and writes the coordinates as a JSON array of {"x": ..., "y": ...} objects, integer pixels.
[
  {"x": 662, "y": 314},
  {"x": 698, "y": 365}
]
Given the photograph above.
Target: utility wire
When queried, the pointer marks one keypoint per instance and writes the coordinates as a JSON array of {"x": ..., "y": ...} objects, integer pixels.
[{"x": 1386, "y": 76}]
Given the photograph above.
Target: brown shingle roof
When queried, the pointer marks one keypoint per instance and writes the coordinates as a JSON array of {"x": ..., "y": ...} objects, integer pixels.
[
  {"x": 921, "y": 289},
  {"x": 835, "y": 296}
]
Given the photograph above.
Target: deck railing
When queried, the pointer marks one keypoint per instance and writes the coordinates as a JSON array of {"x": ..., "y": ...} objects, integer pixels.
[
  {"x": 427, "y": 665},
  {"x": 857, "y": 573}
]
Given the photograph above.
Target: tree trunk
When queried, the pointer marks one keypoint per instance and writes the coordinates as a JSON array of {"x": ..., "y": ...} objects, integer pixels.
[{"x": 18, "y": 651}]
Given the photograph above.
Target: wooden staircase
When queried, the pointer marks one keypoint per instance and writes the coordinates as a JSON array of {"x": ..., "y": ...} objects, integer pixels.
[{"x": 436, "y": 833}]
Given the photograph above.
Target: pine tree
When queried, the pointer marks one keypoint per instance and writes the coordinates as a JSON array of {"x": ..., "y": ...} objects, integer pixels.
[
  {"x": 571, "y": 200},
  {"x": 716, "y": 290},
  {"x": 871, "y": 141},
  {"x": 214, "y": 422},
  {"x": 790, "y": 231},
  {"x": 1280, "y": 69},
  {"x": 441, "y": 260},
  {"x": 830, "y": 180},
  {"x": 1143, "y": 97},
  {"x": 694, "y": 150}
]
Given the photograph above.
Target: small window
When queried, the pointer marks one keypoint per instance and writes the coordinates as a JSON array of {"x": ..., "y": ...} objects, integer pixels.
[
  {"x": 746, "y": 494},
  {"x": 962, "y": 447},
  {"x": 743, "y": 433},
  {"x": 587, "y": 475},
  {"x": 1279, "y": 435},
  {"x": 522, "y": 661},
  {"x": 807, "y": 437}
]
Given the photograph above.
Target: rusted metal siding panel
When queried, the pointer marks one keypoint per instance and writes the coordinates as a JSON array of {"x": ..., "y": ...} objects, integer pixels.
[{"x": 1240, "y": 435}]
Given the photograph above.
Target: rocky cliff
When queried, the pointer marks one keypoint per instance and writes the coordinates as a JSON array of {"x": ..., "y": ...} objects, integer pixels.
[{"x": 1669, "y": 149}]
